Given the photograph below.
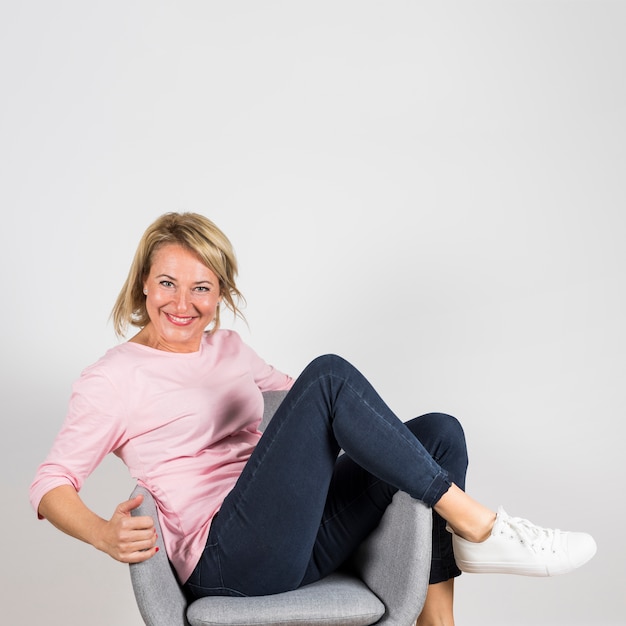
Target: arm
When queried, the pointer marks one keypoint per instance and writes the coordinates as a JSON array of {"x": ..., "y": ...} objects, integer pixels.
[
  {"x": 266, "y": 376},
  {"x": 95, "y": 425},
  {"x": 125, "y": 538}
]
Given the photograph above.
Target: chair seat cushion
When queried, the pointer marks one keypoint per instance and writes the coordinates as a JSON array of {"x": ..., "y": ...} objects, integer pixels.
[{"x": 338, "y": 599}]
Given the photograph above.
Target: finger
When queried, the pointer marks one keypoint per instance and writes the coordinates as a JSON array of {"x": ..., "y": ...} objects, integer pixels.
[
  {"x": 126, "y": 507},
  {"x": 138, "y": 523},
  {"x": 130, "y": 546},
  {"x": 142, "y": 555},
  {"x": 129, "y": 535},
  {"x": 139, "y": 545}
]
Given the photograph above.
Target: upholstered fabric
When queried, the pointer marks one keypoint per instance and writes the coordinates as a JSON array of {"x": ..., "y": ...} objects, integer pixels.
[
  {"x": 159, "y": 596},
  {"x": 272, "y": 400},
  {"x": 394, "y": 562},
  {"x": 338, "y": 599},
  {"x": 389, "y": 585}
]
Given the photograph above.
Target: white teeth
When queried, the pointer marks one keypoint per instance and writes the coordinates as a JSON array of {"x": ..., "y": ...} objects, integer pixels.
[{"x": 180, "y": 320}]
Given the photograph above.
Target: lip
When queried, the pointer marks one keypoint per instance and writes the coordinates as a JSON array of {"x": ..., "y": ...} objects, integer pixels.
[{"x": 179, "y": 320}]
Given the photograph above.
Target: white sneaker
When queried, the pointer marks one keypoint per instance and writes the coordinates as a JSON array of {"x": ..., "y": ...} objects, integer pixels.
[{"x": 516, "y": 546}]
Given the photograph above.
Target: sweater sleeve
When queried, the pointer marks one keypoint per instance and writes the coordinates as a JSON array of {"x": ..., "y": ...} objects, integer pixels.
[
  {"x": 94, "y": 426},
  {"x": 266, "y": 376}
]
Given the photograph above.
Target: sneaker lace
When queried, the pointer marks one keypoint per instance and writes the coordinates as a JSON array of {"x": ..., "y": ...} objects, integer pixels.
[{"x": 534, "y": 537}]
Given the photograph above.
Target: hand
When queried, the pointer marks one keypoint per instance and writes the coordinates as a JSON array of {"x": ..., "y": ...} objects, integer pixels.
[{"x": 126, "y": 538}]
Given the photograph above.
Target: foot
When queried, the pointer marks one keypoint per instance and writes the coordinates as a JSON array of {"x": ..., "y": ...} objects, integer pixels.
[{"x": 516, "y": 546}]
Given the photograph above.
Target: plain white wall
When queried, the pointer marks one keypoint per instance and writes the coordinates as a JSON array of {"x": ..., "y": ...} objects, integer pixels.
[{"x": 434, "y": 190}]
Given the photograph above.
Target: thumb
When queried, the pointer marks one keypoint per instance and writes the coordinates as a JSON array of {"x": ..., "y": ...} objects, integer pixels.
[{"x": 126, "y": 507}]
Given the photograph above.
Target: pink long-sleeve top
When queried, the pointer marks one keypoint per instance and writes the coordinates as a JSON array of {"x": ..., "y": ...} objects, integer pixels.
[{"x": 184, "y": 424}]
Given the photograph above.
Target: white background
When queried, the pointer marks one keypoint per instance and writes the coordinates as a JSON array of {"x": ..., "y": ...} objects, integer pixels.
[{"x": 434, "y": 190}]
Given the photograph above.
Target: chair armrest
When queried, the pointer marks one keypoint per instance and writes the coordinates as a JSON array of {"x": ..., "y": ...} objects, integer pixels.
[
  {"x": 394, "y": 561},
  {"x": 159, "y": 597}
]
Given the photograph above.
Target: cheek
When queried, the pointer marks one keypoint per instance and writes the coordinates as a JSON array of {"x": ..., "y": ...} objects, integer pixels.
[
  {"x": 206, "y": 306},
  {"x": 151, "y": 301},
  {"x": 212, "y": 309},
  {"x": 154, "y": 303}
]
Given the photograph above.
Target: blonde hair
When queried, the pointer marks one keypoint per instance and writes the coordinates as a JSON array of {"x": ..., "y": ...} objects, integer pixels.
[{"x": 193, "y": 232}]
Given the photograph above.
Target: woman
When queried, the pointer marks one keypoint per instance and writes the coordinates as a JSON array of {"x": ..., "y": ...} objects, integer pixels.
[{"x": 245, "y": 514}]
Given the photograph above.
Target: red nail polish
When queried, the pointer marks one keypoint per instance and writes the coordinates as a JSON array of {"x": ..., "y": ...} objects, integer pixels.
[{"x": 157, "y": 549}]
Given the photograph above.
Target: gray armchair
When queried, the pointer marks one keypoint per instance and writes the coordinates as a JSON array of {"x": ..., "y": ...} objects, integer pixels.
[{"x": 385, "y": 583}]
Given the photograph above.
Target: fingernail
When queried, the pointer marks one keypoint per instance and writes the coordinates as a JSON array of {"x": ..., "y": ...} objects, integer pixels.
[{"x": 157, "y": 549}]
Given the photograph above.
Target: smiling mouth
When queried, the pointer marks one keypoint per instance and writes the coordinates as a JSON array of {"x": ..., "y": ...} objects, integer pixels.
[{"x": 179, "y": 321}]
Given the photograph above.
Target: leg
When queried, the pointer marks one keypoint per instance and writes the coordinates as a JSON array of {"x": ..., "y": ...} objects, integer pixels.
[
  {"x": 263, "y": 537},
  {"x": 442, "y": 435},
  {"x": 380, "y": 444},
  {"x": 439, "y": 606},
  {"x": 357, "y": 500},
  {"x": 469, "y": 519}
]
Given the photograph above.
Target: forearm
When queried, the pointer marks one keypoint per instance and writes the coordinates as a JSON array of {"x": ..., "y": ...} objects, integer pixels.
[
  {"x": 64, "y": 509},
  {"x": 124, "y": 537}
]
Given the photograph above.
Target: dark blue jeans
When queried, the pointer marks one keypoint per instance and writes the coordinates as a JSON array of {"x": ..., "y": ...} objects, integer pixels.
[{"x": 299, "y": 509}]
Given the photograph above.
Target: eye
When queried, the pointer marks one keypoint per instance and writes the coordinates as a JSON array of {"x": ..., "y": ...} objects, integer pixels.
[
  {"x": 166, "y": 283},
  {"x": 203, "y": 289}
]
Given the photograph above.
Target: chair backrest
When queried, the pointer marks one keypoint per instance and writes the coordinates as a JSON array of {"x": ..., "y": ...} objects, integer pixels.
[{"x": 272, "y": 400}]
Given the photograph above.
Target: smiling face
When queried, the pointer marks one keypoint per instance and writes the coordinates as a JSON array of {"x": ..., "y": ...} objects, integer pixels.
[{"x": 182, "y": 296}]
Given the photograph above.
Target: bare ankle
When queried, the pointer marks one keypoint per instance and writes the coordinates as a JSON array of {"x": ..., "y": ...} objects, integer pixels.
[
  {"x": 479, "y": 531},
  {"x": 469, "y": 519}
]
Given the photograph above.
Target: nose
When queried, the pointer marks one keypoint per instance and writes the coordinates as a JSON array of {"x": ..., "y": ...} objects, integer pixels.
[{"x": 181, "y": 300}]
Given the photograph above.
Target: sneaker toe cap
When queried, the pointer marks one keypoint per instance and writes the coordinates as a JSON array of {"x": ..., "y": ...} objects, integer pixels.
[{"x": 582, "y": 547}]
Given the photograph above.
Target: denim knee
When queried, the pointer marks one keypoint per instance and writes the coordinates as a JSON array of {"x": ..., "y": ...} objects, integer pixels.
[
  {"x": 328, "y": 364},
  {"x": 444, "y": 438}
]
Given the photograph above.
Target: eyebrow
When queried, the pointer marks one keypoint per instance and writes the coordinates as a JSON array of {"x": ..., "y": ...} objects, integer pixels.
[{"x": 172, "y": 278}]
